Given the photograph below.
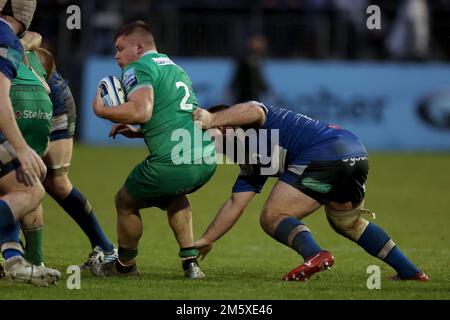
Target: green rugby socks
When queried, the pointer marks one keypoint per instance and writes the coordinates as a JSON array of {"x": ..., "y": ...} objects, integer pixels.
[{"x": 33, "y": 249}]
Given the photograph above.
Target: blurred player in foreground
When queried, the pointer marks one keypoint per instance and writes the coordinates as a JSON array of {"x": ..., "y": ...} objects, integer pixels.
[
  {"x": 57, "y": 158},
  {"x": 161, "y": 100},
  {"x": 316, "y": 164},
  {"x": 33, "y": 111},
  {"x": 20, "y": 167}
]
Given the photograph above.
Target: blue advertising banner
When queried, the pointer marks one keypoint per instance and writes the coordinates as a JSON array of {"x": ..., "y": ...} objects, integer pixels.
[{"x": 389, "y": 106}]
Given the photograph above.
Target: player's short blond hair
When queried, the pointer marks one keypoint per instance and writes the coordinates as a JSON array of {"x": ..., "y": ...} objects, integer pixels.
[{"x": 47, "y": 61}]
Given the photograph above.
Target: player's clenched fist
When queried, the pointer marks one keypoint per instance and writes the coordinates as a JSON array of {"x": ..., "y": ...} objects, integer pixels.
[
  {"x": 204, "y": 117},
  {"x": 31, "y": 40}
]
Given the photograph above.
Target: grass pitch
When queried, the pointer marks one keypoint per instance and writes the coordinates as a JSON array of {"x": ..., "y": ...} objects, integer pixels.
[{"x": 409, "y": 192}]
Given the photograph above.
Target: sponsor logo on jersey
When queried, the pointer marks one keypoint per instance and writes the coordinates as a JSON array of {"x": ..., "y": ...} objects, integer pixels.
[
  {"x": 28, "y": 114},
  {"x": 162, "y": 61},
  {"x": 129, "y": 79}
]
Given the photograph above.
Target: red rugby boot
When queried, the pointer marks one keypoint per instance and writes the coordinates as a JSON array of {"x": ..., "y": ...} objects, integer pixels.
[
  {"x": 419, "y": 276},
  {"x": 321, "y": 261}
]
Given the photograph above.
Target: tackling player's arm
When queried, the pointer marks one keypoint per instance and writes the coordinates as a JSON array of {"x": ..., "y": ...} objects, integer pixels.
[
  {"x": 242, "y": 114},
  {"x": 137, "y": 110},
  {"x": 227, "y": 216}
]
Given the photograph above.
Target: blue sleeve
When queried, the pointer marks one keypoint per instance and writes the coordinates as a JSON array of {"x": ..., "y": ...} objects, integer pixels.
[
  {"x": 60, "y": 93},
  {"x": 11, "y": 51},
  {"x": 272, "y": 118},
  {"x": 58, "y": 87},
  {"x": 252, "y": 183}
]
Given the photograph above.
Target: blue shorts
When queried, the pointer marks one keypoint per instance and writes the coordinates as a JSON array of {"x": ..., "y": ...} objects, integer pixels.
[{"x": 338, "y": 181}]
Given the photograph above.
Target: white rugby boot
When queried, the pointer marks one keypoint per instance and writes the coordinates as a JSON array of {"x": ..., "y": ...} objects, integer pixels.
[
  {"x": 98, "y": 256},
  {"x": 192, "y": 269},
  {"x": 20, "y": 270}
]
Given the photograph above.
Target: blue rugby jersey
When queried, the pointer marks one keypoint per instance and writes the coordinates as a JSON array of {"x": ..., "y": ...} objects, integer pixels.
[
  {"x": 299, "y": 141},
  {"x": 11, "y": 51},
  {"x": 60, "y": 93}
]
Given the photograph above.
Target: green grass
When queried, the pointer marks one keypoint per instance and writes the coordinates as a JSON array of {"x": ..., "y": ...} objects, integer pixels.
[{"x": 409, "y": 192}]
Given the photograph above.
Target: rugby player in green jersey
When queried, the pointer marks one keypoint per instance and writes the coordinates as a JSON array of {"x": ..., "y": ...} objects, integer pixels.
[{"x": 161, "y": 100}]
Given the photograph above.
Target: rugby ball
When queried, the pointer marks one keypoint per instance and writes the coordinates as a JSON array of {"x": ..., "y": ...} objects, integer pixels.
[{"x": 112, "y": 91}]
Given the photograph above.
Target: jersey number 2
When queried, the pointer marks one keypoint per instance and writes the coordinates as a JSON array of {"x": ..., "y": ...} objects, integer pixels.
[{"x": 183, "y": 104}]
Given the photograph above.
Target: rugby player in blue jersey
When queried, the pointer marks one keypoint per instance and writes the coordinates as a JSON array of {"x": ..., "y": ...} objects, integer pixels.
[
  {"x": 57, "y": 159},
  {"x": 20, "y": 167},
  {"x": 316, "y": 164}
]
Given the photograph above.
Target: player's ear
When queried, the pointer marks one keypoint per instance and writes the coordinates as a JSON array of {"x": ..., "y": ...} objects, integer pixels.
[{"x": 140, "y": 48}]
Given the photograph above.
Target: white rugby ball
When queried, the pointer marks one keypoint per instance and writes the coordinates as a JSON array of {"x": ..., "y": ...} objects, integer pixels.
[{"x": 112, "y": 91}]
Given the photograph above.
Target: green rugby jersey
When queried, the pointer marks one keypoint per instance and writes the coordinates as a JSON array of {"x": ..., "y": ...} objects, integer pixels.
[
  {"x": 170, "y": 134},
  {"x": 26, "y": 76},
  {"x": 32, "y": 105}
]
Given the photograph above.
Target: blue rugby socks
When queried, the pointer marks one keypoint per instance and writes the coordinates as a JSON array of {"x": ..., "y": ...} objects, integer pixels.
[
  {"x": 79, "y": 208},
  {"x": 294, "y": 234},
  {"x": 9, "y": 232},
  {"x": 378, "y": 244},
  {"x": 6, "y": 215}
]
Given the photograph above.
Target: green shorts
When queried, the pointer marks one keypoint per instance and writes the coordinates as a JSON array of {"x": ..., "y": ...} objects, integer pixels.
[
  {"x": 158, "y": 184},
  {"x": 33, "y": 110}
]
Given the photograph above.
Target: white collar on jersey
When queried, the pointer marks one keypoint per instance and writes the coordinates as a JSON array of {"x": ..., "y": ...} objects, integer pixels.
[{"x": 149, "y": 52}]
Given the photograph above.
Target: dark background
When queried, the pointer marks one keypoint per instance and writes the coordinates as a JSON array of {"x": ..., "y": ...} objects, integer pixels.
[{"x": 308, "y": 29}]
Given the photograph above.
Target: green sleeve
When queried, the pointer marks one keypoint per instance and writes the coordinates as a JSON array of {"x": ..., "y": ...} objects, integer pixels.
[{"x": 138, "y": 75}]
